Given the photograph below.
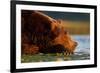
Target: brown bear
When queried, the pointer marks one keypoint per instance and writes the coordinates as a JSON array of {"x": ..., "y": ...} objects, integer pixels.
[{"x": 41, "y": 33}]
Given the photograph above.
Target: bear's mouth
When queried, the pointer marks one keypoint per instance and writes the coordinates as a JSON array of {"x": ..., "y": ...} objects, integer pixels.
[{"x": 70, "y": 51}]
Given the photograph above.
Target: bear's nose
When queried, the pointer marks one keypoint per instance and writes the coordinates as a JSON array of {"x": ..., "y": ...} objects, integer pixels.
[{"x": 76, "y": 43}]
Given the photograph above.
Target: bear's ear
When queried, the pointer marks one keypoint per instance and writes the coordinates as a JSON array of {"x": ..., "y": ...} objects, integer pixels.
[{"x": 59, "y": 21}]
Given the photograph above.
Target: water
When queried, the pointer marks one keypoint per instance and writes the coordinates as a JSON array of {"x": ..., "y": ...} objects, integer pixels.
[
  {"x": 83, "y": 49},
  {"x": 83, "y": 43},
  {"x": 82, "y": 52}
]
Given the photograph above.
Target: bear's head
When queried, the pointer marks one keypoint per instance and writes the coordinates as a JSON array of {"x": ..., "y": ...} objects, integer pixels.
[{"x": 43, "y": 31}]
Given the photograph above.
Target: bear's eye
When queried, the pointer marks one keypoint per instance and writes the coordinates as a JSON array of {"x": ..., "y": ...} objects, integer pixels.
[{"x": 65, "y": 32}]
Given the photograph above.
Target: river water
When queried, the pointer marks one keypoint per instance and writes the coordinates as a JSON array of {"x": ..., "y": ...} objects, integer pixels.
[{"x": 82, "y": 51}]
